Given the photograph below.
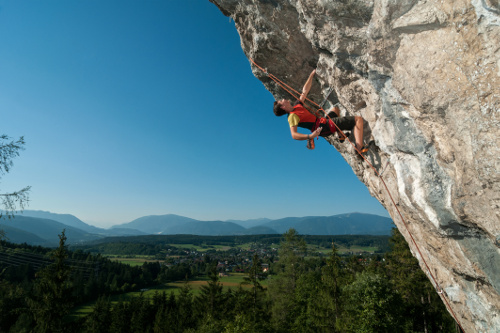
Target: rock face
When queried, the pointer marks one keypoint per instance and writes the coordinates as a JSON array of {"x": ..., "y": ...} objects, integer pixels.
[{"x": 425, "y": 76}]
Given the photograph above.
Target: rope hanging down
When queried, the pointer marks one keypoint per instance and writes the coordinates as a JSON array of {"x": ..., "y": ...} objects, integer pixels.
[{"x": 291, "y": 91}]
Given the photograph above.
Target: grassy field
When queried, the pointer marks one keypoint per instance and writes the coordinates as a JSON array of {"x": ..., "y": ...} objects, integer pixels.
[
  {"x": 342, "y": 249},
  {"x": 134, "y": 261},
  {"x": 230, "y": 282}
]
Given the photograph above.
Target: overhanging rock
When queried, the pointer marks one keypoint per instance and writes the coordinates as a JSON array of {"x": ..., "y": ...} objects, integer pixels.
[{"x": 425, "y": 76}]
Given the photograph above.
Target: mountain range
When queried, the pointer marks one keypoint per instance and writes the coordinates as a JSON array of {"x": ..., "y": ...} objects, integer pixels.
[{"x": 43, "y": 228}]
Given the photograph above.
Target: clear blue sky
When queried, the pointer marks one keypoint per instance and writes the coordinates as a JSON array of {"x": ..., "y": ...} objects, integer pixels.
[{"x": 132, "y": 108}]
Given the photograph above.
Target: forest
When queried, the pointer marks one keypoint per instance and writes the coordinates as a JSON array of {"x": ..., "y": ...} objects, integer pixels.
[{"x": 385, "y": 292}]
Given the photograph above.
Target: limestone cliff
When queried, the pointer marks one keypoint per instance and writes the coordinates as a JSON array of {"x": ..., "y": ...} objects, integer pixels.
[{"x": 425, "y": 76}]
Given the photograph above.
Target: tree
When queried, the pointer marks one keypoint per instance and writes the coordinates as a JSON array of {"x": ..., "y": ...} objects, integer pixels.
[
  {"x": 306, "y": 296},
  {"x": 240, "y": 324},
  {"x": 142, "y": 318},
  {"x": 282, "y": 287},
  {"x": 185, "y": 317},
  {"x": 99, "y": 319},
  {"x": 328, "y": 303},
  {"x": 371, "y": 305},
  {"x": 424, "y": 310},
  {"x": 12, "y": 299},
  {"x": 51, "y": 300},
  {"x": 253, "y": 278},
  {"x": 210, "y": 299},
  {"x": 120, "y": 318},
  {"x": 10, "y": 202},
  {"x": 250, "y": 306}
]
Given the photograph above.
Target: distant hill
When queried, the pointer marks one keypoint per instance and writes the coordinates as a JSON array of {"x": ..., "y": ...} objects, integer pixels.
[
  {"x": 46, "y": 229},
  {"x": 19, "y": 236},
  {"x": 66, "y": 219},
  {"x": 344, "y": 224},
  {"x": 206, "y": 228},
  {"x": 73, "y": 221},
  {"x": 126, "y": 232},
  {"x": 260, "y": 230},
  {"x": 250, "y": 223},
  {"x": 156, "y": 224},
  {"x": 171, "y": 224},
  {"x": 43, "y": 228}
]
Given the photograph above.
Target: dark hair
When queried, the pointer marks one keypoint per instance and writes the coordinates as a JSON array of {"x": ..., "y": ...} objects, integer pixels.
[{"x": 278, "y": 111}]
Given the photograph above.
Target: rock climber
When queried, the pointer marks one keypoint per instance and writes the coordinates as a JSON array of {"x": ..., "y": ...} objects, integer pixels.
[{"x": 299, "y": 116}]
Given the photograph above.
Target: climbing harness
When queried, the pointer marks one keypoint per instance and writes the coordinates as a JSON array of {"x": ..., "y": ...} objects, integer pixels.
[{"x": 295, "y": 93}]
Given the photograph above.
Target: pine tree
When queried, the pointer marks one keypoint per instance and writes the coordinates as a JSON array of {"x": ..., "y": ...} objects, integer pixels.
[
  {"x": 52, "y": 290},
  {"x": 12, "y": 300},
  {"x": 305, "y": 299},
  {"x": 184, "y": 317},
  {"x": 99, "y": 320},
  {"x": 160, "y": 321},
  {"x": 240, "y": 324},
  {"x": 254, "y": 278},
  {"x": 282, "y": 287},
  {"x": 211, "y": 297},
  {"x": 371, "y": 305},
  {"x": 120, "y": 318},
  {"x": 142, "y": 314},
  {"x": 422, "y": 306},
  {"x": 328, "y": 304}
]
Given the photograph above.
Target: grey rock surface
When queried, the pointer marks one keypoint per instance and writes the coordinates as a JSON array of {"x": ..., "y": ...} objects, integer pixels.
[{"x": 425, "y": 76}]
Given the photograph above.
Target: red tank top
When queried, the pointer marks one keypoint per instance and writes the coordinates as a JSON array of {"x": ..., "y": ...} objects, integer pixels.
[
  {"x": 311, "y": 122},
  {"x": 304, "y": 115},
  {"x": 307, "y": 120}
]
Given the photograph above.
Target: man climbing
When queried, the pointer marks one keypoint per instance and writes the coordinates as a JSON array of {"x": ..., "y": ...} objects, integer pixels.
[{"x": 299, "y": 116}]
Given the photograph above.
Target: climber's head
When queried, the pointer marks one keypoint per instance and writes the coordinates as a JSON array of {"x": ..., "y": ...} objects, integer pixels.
[{"x": 282, "y": 107}]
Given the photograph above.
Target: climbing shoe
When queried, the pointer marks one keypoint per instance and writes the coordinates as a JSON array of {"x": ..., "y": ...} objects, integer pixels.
[{"x": 363, "y": 150}]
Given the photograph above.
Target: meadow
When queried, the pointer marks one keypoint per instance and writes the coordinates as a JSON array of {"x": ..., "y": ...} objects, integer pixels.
[{"x": 233, "y": 281}]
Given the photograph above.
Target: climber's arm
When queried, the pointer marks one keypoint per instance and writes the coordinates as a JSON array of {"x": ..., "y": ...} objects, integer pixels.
[
  {"x": 307, "y": 86},
  {"x": 299, "y": 136}
]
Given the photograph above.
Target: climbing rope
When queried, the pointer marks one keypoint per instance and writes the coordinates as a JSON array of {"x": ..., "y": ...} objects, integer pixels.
[{"x": 296, "y": 95}]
